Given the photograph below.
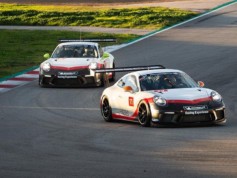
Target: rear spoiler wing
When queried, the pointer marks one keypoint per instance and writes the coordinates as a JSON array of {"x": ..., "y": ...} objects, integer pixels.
[
  {"x": 128, "y": 69},
  {"x": 125, "y": 69},
  {"x": 89, "y": 40}
]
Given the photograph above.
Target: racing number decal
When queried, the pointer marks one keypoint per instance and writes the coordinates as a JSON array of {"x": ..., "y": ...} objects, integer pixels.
[{"x": 130, "y": 101}]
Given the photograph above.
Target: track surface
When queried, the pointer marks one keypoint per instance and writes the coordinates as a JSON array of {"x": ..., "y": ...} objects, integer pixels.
[{"x": 59, "y": 132}]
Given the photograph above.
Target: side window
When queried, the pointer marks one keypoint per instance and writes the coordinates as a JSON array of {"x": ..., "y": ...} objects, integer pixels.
[
  {"x": 131, "y": 81},
  {"x": 121, "y": 83},
  {"x": 95, "y": 52},
  {"x": 100, "y": 51}
]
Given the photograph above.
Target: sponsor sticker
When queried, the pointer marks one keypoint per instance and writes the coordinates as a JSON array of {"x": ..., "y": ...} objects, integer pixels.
[
  {"x": 193, "y": 108},
  {"x": 195, "y": 112},
  {"x": 161, "y": 91},
  {"x": 131, "y": 101},
  {"x": 121, "y": 112},
  {"x": 67, "y": 73},
  {"x": 66, "y": 77}
]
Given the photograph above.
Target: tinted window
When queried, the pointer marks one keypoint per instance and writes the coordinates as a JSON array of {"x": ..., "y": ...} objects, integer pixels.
[
  {"x": 100, "y": 51},
  {"x": 121, "y": 83},
  {"x": 171, "y": 80},
  {"x": 75, "y": 51}
]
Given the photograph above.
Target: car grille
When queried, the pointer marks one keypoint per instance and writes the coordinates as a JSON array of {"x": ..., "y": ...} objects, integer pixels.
[
  {"x": 220, "y": 114},
  {"x": 178, "y": 118},
  {"x": 79, "y": 81},
  {"x": 67, "y": 82},
  {"x": 195, "y": 118}
]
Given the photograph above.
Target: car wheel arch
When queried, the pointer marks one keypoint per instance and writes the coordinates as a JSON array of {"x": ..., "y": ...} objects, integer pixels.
[
  {"x": 106, "y": 118},
  {"x": 147, "y": 123}
]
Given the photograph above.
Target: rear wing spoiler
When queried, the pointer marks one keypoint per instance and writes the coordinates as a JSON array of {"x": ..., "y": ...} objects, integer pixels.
[
  {"x": 128, "y": 69},
  {"x": 89, "y": 40}
]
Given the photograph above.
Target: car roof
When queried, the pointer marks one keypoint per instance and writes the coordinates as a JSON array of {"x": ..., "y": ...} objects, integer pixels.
[
  {"x": 145, "y": 72},
  {"x": 79, "y": 43}
]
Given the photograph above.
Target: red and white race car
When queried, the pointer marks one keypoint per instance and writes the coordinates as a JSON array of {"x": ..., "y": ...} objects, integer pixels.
[
  {"x": 71, "y": 64},
  {"x": 162, "y": 96}
]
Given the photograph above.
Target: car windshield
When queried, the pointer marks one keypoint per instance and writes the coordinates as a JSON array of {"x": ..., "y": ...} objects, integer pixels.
[
  {"x": 159, "y": 81},
  {"x": 75, "y": 51}
]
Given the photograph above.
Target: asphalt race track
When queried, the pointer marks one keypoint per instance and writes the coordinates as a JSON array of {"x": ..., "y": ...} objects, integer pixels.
[{"x": 59, "y": 132}]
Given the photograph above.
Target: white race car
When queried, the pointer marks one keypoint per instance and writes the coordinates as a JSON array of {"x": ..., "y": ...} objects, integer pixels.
[
  {"x": 161, "y": 96},
  {"x": 71, "y": 64}
]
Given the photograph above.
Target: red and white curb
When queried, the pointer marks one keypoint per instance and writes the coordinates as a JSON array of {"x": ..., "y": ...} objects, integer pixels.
[{"x": 19, "y": 80}]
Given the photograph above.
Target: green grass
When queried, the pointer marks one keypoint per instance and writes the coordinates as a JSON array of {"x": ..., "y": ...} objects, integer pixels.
[
  {"x": 60, "y": 8},
  {"x": 147, "y": 17},
  {"x": 22, "y": 49}
]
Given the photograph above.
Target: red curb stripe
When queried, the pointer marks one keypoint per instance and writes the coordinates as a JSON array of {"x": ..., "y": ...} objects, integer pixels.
[
  {"x": 7, "y": 86},
  {"x": 22, "y": 79},
  {"x": 33, "y": 72}
]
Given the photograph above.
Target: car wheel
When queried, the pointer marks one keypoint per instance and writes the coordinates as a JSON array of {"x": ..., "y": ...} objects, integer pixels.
[
  {"x": 41, "y": 81},
  {"x": 100, "y": 83},
  {"x": 144, "y": 114},
  {"x": 106, "y": 110}
]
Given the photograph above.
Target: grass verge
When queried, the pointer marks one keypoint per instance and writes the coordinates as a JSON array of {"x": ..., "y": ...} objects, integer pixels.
[
  {"x": 147, "y": 17},
  {"x": 22, "y": 49}
]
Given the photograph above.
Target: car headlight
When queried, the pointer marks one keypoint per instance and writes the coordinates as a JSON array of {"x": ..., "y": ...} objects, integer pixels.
[
  {"x": 93, "y": 65},
  {"x": 216, "y": 96},
  {"x": 160, "y": 101},
  {"x": 46, "y": 67}
]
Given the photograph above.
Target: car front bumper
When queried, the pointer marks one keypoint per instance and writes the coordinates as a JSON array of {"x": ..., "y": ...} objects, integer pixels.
[
  {"x": 73, "y": 78},
  {"x": 211, "y": 116}
]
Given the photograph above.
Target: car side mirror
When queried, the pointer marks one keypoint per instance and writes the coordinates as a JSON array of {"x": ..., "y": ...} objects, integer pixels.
[
  {"x": 128, "y": 89},
  {"x": 105, "y": 55},
  {"x": 46, "y": 56},
  {"x": 201, "y": 84}
]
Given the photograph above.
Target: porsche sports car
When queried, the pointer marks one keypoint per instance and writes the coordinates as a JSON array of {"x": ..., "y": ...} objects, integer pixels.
[
  {"x": 161, "y": 96},
  {"x": 71, "y": 64}
]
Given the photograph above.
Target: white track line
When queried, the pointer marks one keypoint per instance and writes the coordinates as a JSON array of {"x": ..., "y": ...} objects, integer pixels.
[
  {"x": 52, "y": 108},
  {"x": 179, "y": 24}
]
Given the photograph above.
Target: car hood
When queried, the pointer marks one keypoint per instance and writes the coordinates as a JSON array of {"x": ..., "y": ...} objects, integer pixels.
[
  {"x": 70, "y": 62},
  {"x": 183, "y": 94}
]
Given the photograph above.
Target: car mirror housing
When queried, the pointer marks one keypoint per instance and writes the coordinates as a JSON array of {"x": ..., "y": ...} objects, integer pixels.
[
  {"x": 201, "y": 84},
  {"x": 46, "y": 56},
  {"x": 128, "y": 89}
]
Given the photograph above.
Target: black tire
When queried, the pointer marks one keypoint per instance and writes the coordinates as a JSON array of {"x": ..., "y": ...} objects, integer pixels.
[
  {"x": 144, "y": 114},
  {"x": 41, "y": 81},
  {"x": 106, "y": 110},
  {"x": 113, "y": 75},
  {"x": 100, "y": 84}
]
